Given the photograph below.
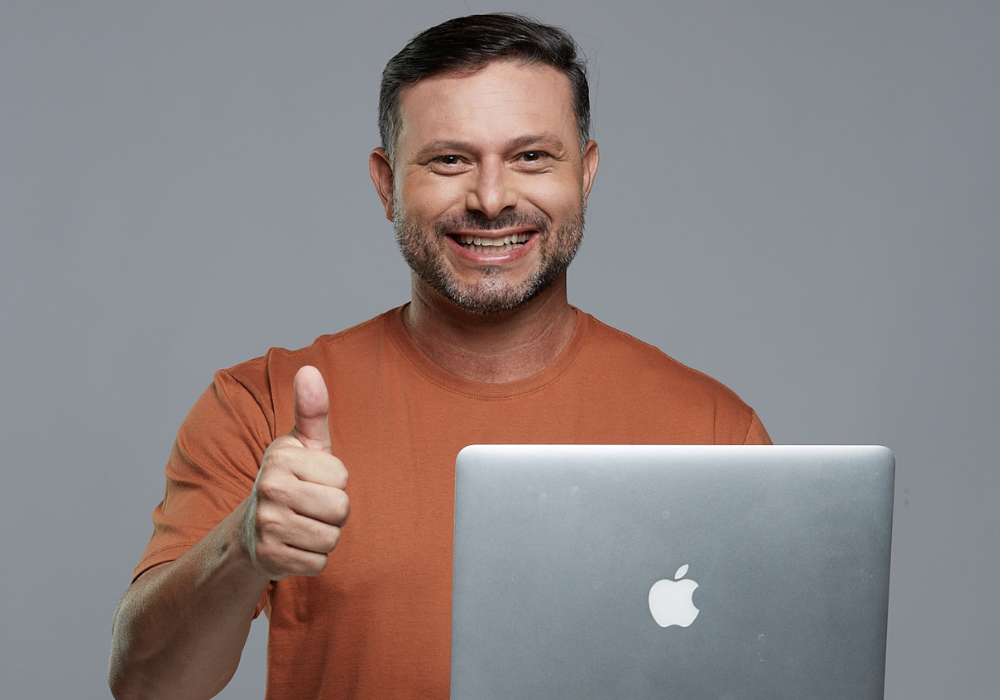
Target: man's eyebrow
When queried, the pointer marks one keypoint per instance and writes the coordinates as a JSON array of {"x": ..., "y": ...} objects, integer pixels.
[
  {"x": 542, "y": 140},
  {"x": 443, "y": 146}
]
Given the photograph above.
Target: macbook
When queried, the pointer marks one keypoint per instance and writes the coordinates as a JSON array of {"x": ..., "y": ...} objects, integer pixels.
[{"x": 671, "y": 572}]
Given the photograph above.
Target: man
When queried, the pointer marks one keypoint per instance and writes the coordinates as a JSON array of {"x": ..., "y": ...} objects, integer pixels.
[{"x": 485, "y": 168}]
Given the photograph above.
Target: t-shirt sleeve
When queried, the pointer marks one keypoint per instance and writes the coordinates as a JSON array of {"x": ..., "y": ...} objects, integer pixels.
[
  {"x": 211, "y": 469},
  {"x": 757, "y": 434}
]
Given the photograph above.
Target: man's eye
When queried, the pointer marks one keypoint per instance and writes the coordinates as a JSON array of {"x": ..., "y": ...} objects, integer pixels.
[
  {"x": 448, "y": 160},
  {"x": 532, "y": 156}
]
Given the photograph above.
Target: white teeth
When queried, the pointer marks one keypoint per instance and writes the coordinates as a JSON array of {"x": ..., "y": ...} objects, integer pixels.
[{"x": 483, "y": 242}]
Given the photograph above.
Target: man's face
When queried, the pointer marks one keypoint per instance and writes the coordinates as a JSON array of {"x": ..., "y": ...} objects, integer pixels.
[{"x": 489, "y": 185}]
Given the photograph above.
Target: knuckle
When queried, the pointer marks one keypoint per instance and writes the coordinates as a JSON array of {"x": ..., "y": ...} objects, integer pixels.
[
  {"x": 332, "y": 539},
  {"x": 338, "y": 472},
  {"x": 340, "y": 507},
  {"x": 265, "y": 558},
  {"x": 325, "y": 539},
  {"x": 279, "y": 455},
  {"x": 272, "y": 489},
  {"x": 347, "y": 508},
  {"x": 308, "y": 564},
  {"x": 271, "y": 527},
  {"x": 267, "y": 531},
  {"x": 315, "y": 565},
  {"x": 277, "y": 458}
]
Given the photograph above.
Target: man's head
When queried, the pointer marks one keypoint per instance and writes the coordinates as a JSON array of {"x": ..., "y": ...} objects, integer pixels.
[
  {"x": 468, "y": 44},
  {"x": 490, "y": 165}
]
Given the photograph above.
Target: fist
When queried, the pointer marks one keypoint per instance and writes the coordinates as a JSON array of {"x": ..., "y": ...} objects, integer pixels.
[{"x": 293, "y": 516}]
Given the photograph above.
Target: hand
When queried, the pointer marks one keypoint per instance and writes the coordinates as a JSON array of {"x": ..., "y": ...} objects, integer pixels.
[{"x": 293, "y": 516}]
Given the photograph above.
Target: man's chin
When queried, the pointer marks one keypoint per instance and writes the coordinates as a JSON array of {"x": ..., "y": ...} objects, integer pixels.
[{"x": 491, "y": 296}]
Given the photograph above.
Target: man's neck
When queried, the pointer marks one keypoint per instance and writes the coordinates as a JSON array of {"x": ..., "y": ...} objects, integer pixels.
[{"x": 492, "y": 348}]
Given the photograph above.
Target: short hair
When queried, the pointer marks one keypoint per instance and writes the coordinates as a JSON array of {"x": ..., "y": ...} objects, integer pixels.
[{"x": 468, "y": 44}]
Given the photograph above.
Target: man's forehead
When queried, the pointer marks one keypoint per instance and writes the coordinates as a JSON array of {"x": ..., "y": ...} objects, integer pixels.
[{"x": 497, "y": 91}]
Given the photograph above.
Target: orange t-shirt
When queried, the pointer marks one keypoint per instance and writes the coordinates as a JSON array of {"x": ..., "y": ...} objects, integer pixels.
[{"x": 377, "y": 622}]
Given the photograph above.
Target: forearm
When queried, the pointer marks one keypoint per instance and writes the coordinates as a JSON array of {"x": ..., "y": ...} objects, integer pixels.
[{"x": 180, "y": 628}]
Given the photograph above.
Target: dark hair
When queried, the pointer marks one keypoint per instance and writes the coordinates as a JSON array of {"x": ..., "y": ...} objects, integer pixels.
[{"x": 468, "y": 44}]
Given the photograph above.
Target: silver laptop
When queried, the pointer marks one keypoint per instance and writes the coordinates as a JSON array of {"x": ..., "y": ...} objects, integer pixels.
[{"x": 670, "y": 572}]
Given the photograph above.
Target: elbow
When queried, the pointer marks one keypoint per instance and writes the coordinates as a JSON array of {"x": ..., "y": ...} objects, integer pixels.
[
  {"x": 122, "y": 688},
  {"x": 124, "y": 682},
  {"x": 140, "y": 669},
  {"x": 123, "y": 678},
  {"x": 130, "y": 663}
]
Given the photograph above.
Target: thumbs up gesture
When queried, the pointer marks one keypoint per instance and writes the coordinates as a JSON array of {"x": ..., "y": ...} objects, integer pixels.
[{"x": 293, "y": 516}]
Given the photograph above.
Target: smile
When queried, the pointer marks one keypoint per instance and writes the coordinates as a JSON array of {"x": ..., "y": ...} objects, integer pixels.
[{"x": 482, "y": 244}]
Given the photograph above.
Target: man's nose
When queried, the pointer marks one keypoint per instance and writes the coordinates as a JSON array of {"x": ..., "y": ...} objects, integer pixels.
[{"x": 493, "y": 191}]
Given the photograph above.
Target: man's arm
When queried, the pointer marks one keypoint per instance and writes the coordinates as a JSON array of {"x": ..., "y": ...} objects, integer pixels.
[{"x": 179, "y": 630}]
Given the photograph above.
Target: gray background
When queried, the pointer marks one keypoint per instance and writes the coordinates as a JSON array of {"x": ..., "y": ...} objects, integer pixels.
[{"x": 799, "y": 198}]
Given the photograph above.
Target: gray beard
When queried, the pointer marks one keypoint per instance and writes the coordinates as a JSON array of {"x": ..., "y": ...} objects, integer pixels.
[{"x": 423, "y": 252}]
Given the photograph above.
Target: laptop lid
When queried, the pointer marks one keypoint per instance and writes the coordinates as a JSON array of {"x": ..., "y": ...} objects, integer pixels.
[{"x": 671, "y": 571}]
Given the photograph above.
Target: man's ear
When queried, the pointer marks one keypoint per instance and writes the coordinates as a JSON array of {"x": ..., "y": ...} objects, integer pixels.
[
  {"x": 591, "y": 158},
  {"x": 380, "y": 169}
]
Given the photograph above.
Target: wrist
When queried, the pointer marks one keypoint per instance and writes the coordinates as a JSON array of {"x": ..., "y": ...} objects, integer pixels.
[{"x": 238, "y": 547}]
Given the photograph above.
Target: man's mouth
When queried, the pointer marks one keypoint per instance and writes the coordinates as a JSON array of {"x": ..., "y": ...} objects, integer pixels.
[{"x": 485, "y": 245}]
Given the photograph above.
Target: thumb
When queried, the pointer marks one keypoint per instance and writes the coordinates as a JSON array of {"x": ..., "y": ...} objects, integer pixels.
[{"x": 312, "y": 403}]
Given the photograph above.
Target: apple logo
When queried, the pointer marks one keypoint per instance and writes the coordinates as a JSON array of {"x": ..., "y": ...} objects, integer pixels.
[{"x": 671, "y": 601}]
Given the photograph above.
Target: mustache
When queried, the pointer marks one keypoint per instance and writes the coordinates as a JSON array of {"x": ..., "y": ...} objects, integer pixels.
[{"x": 475, "y": 221}]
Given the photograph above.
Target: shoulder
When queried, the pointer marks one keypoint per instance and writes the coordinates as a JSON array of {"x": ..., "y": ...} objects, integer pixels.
[
  {"x": 266, "y": 381},
  {"x": 638, "y": 358},
  {"x": 666, "y": 388}
]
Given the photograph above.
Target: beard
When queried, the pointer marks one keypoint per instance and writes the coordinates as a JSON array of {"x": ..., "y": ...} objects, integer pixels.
[{"x": 423, "y": 250}]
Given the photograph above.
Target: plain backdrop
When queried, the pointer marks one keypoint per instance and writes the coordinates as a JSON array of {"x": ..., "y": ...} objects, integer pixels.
[{"x": 799, "y": 198}]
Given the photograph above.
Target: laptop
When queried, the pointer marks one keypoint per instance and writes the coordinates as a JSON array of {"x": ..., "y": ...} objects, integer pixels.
[{"x": 671, "y": 572}]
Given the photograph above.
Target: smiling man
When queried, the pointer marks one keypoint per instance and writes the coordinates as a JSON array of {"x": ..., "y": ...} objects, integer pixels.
[
  {"x": 485, "y": 168},
  {"x": 496, "y": 182}
]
